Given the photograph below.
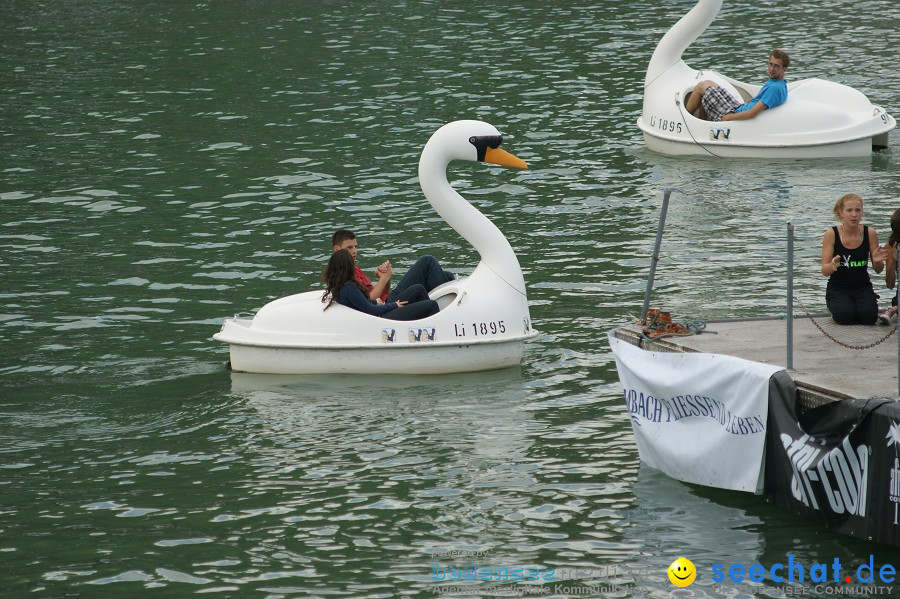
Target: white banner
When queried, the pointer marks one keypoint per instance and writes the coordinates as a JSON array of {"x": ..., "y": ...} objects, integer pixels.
[{"x": 699, "y": 418}]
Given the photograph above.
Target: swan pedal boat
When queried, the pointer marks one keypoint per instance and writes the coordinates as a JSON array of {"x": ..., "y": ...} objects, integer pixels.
[
  {"x": 820, "y": 119},
  {"x": 483, "y": 322}
]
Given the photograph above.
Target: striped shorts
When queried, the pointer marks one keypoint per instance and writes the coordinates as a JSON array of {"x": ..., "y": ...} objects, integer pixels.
[{"x": 717, "y": 102}]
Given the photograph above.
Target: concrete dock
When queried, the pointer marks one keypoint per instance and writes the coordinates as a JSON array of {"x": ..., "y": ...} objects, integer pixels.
[{"x": 824, "y": 370}]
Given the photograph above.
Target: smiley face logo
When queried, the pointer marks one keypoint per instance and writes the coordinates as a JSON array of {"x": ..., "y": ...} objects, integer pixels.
[{"x": 682, "y": 572}]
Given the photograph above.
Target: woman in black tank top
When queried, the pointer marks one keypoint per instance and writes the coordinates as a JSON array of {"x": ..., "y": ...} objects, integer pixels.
[{"x": 845, "y": 261}]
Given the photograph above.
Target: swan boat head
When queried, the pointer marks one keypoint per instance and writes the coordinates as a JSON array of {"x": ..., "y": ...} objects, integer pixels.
[
  {"x": 483, "y": 320},
  {"x": 819, "y": 119},
  {"x": 474, "y": 141}
]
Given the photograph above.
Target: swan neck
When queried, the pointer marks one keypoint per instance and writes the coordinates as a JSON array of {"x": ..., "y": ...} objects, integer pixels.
[
  {"x": 466, "y": 220},
  {"x": 673, "y": 44}
]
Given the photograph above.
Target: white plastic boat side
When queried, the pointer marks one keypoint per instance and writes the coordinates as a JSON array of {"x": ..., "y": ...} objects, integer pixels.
[
  {"x": 405, "y": 332},
  {"x": 854, "y": 149},
  {"x": 480, "y": 307},
  {"x": 421, "y": 359}
]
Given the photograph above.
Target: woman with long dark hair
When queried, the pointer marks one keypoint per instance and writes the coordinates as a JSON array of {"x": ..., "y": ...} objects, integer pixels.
[{"x": 341, "y": 287}]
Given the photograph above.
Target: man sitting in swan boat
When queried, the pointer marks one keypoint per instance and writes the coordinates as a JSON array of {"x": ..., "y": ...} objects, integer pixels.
[
  {"x": 716, "y": 104},
  {"x": 426, "y": 271}
]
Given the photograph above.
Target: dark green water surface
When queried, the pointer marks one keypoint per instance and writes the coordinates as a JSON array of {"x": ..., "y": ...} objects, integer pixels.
[{"x": 164, "y": 165}]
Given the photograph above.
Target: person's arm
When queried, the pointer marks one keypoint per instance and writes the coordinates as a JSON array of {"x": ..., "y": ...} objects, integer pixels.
[
  {"x": 890, "y": 264},
  {"x": 747, "y": 114},
  {"x": 830, "y": 261},
  {"x": 876, "y": 251},
  {"x": 383, "y": 273},
  {"x": 352, "y": 296}
]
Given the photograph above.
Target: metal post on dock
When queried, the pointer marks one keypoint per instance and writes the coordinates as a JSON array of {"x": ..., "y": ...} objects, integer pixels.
[
  {"x": 655, "y": 259},
  {"x": 790, "y": 295}
]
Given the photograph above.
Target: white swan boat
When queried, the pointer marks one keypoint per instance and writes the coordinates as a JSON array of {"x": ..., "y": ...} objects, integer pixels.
[
  {"x": 820, "y": 118},
  {"x": 483, "y": 322}
]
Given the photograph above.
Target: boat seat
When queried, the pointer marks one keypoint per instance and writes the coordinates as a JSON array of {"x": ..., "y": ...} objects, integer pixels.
[
  {"x": 745, "y": 96},
  {"x": 445, "y": 300}
]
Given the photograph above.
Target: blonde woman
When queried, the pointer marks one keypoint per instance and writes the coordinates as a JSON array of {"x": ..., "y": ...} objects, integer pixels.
[{"x": 845, "y": 260}]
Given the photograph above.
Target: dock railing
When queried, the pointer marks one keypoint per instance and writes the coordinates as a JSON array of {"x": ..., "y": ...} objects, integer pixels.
[
  {"x": 654, "y": 260},
  {"x": 789, "y": 318}
]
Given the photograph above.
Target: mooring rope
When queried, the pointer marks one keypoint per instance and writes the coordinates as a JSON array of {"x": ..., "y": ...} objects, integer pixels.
[{"x": 659, "y": 324}]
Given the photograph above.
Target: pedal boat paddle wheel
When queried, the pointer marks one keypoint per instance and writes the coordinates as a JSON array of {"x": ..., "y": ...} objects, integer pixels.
[
  {"x": 483, "y": 322},
  {"x": 820, "y": 118}
]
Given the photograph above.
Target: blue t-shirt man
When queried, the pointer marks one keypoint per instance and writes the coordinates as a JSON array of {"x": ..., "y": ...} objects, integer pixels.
[
  {"x": 711, "y": 102},
  {"x": 772, "y": 94}
]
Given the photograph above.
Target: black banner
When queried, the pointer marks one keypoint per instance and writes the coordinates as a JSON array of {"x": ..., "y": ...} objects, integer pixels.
[{"x": 838, "y": 464}]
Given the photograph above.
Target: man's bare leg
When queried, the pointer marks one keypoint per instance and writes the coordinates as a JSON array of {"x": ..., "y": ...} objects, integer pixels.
[{"x": 695, "y": 99}]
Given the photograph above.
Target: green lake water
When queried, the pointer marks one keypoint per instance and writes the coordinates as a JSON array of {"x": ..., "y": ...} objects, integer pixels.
[{"x": 168, "y": 164}]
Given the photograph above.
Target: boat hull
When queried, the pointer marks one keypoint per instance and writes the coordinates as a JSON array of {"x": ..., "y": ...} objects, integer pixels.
[
  {"x": 689, "y": 147},
  {"x": 483, "y": 324},
  {"x": 421, "y": 359}
]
